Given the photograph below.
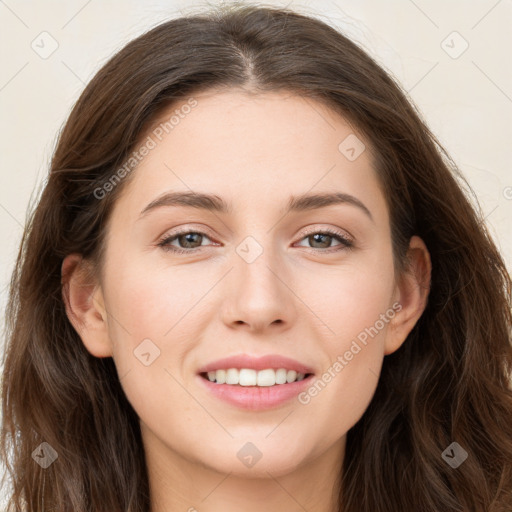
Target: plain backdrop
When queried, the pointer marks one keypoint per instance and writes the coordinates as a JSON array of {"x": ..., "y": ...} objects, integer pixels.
[{"x": 453, "y": 59}]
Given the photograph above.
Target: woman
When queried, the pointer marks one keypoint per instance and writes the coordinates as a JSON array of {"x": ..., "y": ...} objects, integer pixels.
[{"x": 178, "y": 340}]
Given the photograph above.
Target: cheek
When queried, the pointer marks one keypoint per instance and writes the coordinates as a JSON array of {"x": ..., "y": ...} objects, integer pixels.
[
  {"x": 151, "y": 330},
  {"x": 357, "y": 309},
  {"x": 153, "y": 302},
  {"x": 352, "y": 296},
  {"x": 158, "y": 316},
  {"x": 340, "y": 395}
]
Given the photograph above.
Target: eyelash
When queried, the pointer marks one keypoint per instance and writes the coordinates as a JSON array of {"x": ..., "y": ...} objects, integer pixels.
[{"x": 345, "y": 242}]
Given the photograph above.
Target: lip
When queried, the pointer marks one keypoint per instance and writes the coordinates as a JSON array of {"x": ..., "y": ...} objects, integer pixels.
[
  {"x": 274, "y": 361},
  {"x": 254, "y": 398}
]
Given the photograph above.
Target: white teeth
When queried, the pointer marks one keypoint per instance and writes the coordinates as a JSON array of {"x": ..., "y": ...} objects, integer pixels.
[
  {"x": 266, "y": 377},
  {"x": 220, "y": 376},
  {"x": 249, "y": 377},
  {"x": 291, "y": 376},
  {"x": 281, "y": 376},
  {"x": 232, "y": 376}
]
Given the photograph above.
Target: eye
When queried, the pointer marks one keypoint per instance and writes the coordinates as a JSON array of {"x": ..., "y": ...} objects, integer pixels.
[
  {"x": 325, "y": 237},
  {"x": 190, "y": 241}
]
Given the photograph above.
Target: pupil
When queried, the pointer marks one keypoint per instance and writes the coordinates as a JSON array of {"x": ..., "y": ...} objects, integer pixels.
[
  {"x": 189, "y": 237},
  {"x": 316, "y": 236}
]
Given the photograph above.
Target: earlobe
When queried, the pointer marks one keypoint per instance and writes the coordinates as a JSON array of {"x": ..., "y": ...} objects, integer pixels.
[
  {"x": 413, "y": 288},
  {"x": 84, "y": 304}
]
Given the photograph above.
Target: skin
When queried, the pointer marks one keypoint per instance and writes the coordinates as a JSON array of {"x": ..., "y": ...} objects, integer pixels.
[{"x": 294, "y": 299}]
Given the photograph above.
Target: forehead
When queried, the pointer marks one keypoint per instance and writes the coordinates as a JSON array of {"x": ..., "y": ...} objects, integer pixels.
[
  {"x": 252, "y": 148},
  {"x": 265, "y": 124}
]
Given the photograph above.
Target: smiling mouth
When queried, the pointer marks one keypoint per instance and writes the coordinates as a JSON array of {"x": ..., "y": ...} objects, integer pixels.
[{"x": 252, "y": 378}]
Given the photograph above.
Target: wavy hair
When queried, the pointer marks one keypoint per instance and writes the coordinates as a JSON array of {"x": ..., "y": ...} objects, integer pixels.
[{"x": 450, "y": 380}]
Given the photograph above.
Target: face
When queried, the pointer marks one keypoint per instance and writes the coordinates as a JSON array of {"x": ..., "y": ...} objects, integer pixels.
[{"x": 183, "y": 286}]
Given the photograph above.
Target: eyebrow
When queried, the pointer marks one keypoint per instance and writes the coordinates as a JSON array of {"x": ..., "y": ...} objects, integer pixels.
[{"x": 214, "y": 203}]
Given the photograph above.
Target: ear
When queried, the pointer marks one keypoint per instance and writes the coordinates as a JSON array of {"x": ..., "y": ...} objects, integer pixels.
[
  {"x": 85, "y": 306},
  {"x": 411, "y": 293}
]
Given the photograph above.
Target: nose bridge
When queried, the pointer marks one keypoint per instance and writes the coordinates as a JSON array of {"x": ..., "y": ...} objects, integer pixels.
[
  {"x": 260, "y": 296},
  {"x": 258, "y": 263}
]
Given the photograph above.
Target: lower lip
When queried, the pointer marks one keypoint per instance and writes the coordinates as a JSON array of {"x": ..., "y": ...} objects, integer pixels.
[{"x": 256, "y": 398}]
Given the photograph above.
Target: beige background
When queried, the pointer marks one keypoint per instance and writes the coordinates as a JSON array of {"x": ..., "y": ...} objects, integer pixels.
[{"x": 466, "y": 99}]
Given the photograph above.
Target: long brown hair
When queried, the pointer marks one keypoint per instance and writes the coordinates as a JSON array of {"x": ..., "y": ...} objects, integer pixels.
[{"x": 450, "y": 380}]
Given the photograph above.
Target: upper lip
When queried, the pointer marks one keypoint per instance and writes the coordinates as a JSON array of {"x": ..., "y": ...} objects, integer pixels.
[{"x": 256, "y": 363}]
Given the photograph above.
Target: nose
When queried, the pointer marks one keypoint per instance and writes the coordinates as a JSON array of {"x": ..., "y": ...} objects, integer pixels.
[{"x": 259, "y": 294}]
